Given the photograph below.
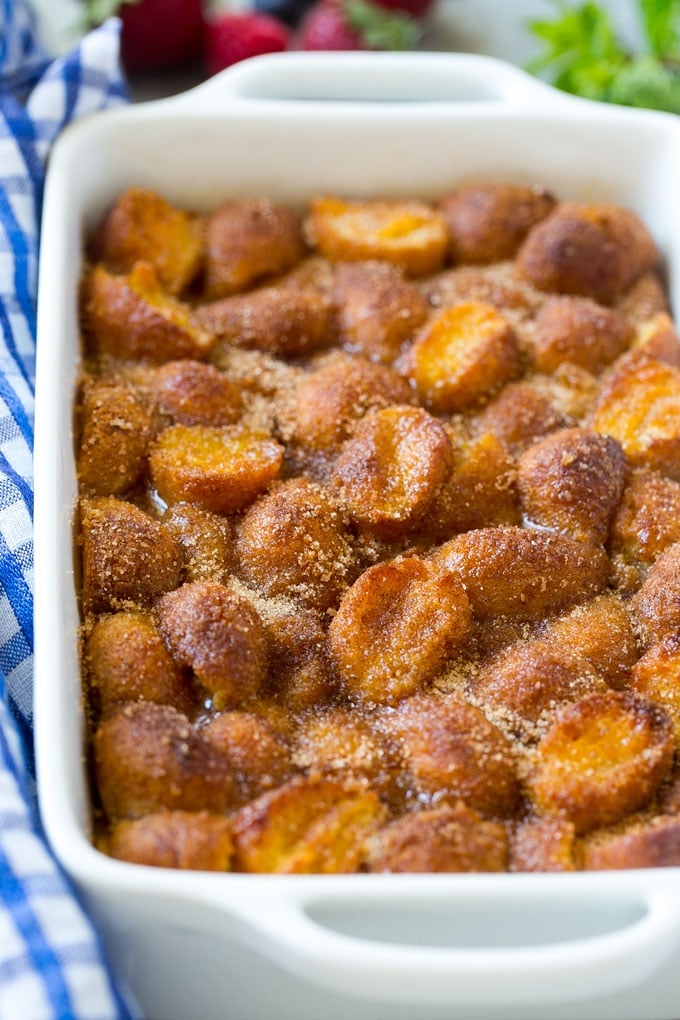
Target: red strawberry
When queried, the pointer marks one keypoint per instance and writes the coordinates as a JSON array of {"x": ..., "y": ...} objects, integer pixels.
[
  {"x": 414, "y": 8},
  {"x": 233, "y": 37},
  {"x": 356, "y": 25},
  {"x": 155, "y": 34}
]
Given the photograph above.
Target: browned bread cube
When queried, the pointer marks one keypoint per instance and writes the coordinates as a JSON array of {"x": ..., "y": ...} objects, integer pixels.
[
  {"x": 192, "y": 393},
  {"x": 342, "y": 743},
  {"x": 195, "y": 840},
  {"x": 462, "y": 357},
  {"x": 405, "y": 233},
  {"x": 330, "y": 400},
  {"x": 378, "y": 309},
  {"x": 452, "y": 752},
  {"x": 445, "y": 839},
  {"x": 543, "y": 844},
  {"x": 131, "y": 317},
  {"x": 656, "y": 605},
  {"x": 578, "y": 330},
  {"x": 127, "y": 556},
  {"x": 647, "y": 520},
  {"x": 481, "y": 490},
  {"x": 572, "y": 482},
  {"x": 142, "y": 226},
  {"x": 256, "y": 751},
  {"x": 128, "y": 660},
  {"x": 219, "y": 636},
  {"x": 390, "y": 471},
  {"x": 639, "y": 405},
  {"x": 246, "y": 241},
  {"x": 116, "y": 428},
  {"x": 149, "y": 758},
  {"x": 310, "y": 824},
  {"x": 487, "y": 222},
  {"x": 300, "y": 674},
  {"x": 522, "y": 572},
  {"x": 653, "y": 844},
  {"x": 594, "y": 249},
  {"x": 207, "y": 540},
  {"x": 521, "y": 414},
  {"x": 656, "y": 676},
  {"x": 603, "y": 758},
  {"x": 295, "y": 541},
  {"x": 221, "y": 469},
  {"x": 279, "y": 320},
  {"x": 395, "y": 628}
]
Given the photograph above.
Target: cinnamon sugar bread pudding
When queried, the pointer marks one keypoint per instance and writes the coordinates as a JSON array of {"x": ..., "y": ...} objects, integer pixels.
[{"x": 379, "y": 526}]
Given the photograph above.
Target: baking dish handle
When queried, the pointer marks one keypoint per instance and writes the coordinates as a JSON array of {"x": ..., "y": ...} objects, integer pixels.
[
  {"x": 359, "y": 945},
  {"x": 386, "y": 78}
]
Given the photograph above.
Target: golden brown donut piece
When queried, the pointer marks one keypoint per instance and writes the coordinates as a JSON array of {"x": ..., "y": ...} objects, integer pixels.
[
  {"x": 480, "y": 492},
  {"x": 248, "y": 240},
  {"x": 193, "y": 393},
  {"x": 523, "y": 572},
  {"x": 131, "y": 317},
  {"x": 403, "y": 232},
  {"x": 602, "y": 633},
  {"x": 572, "y": 482},
  {"x": 544, "y": 844},
  {"x": 221, "y": 469},
  {"x": 257, "y": 753},
  {"x": 596, "y": 249},
  {"x": 521, "y": 414},
  {"x": 142, "y": 226},
  {"x": 116, "y": 429},
  {"x": 452, "y": 752},
  {"x": 279, "y": 320},
  {"x": 578, "y": 330},
  {"x": 653, "y": 844},
  {"x": 300, "y": 674},
  {"x": 127, "y": 556},
  {"x": 311, "y": 824},
  {"x": 391, "y": 469},
  {"x": 656, "y": 605},
  {"x": 602, "y": 758},
  {"x": 341, "y": 742},
  {"x": 463, "y": 355},
  {"x": 128, "y": 660},
  {"x": 528, "y": 681},
  {"x": 658, "y": 338},
  {"x": 335, "y": 395},
  {"x": 294, "y": 542},
  {"x": 656, "y": 676},
  {"x": 194, "y": 840},
  {"x": 645, "y": 299},
  {"x": 395, "y": 628},
  {"x": 639, "y": 406},
  {"x": 487, "y": 222},
  {"x": 378, "y": 309},
  {"x": 219, "y": 635},
  {"x": 647, "y": 520},
  {"x": 444, "y": 839},
  {"x": 207, "y": 540},
  {"x": 149, "y": 758}
]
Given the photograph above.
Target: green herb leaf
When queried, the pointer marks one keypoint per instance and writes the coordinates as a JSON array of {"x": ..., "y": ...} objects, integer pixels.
[
  {"x": 583, "y": 54},
  {"x": 380, "y": 28},
  {"x": 648, "y": 83},
  {"x": 661, "y": 25}
]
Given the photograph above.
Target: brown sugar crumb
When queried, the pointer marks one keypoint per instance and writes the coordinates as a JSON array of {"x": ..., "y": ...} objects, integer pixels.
[{"x": 376, "y": 540}]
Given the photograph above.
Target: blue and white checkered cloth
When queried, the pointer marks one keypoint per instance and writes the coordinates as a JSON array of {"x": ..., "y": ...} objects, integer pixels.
[{"x": 52, "y": 965}]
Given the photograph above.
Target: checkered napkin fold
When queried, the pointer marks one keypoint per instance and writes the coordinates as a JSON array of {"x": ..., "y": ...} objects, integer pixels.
[{"x": 52, "y": 965}]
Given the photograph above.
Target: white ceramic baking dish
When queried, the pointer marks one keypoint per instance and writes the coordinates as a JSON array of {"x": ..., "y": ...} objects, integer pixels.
[{"x": 203, "y": 946}]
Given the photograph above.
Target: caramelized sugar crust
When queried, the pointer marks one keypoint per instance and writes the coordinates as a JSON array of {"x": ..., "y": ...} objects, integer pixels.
[{"x": 379, "y": 561}]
